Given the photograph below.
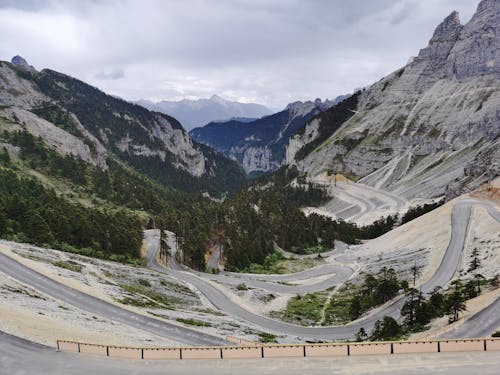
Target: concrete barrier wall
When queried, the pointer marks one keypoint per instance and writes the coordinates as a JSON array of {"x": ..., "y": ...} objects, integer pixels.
[
  {"x": 326, "y": 350},
  {"x": 273, "y": 351},
  {"x": 369, "y": 349},
  {"x": 492, "y": 344},
  {"x": 67, "y": 346},
  {"x": 461, "y": 345},
  {"x": 283, "y": 351},
  {"x": 242, "y": 352},
  {"x": 201, "y": 353},
  {"x": 131, "y": 353},
  {"x": 162, "y": 353},
  {"x": 93, "y": 349},
  {"x": 415, "y": 347}
]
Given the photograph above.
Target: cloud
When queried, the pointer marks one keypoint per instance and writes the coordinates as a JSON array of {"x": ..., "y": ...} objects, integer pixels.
[
  {"x": 270, "y": 51},
  {"x": 112, "y": 75}
]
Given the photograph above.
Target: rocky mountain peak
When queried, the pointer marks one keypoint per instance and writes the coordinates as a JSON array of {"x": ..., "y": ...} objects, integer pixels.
[
  {"x": 20, "y": 61},
  {"x": 442, "y": 41},
  {"x": 487, "y": 5},
  {"x": 477, "y": 50}
]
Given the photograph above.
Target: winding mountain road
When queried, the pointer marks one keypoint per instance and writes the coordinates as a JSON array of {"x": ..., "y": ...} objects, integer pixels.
[
  {"x": 449, "y": 265},
  {"x": 102, "y": 308}
]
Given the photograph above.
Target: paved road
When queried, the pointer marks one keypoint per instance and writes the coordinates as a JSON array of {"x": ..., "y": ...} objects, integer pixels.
[
  {"x": 21, "y": 357},
  {"x": 352, "y": 201},
  {"x": 460, "y": 218},
  {"x": 101, "y": 308},
  {"x": 480, "y": 324}
]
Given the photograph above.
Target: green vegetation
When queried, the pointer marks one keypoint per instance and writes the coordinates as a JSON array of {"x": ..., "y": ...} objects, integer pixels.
[
  {"x": 330, "y": 121},
  {"x": 304, "y": 310},
  {"x": 375, "y": 291},
  {"x": 158, "y": 299},
  {"x": 420, "y": 210},
  {"x": 267, "y": 338},
  {"x": 193, "y": 322},
  {"x": 419, "y": 310},
  {"x": 72, "y": 266},
  {"x": 242, "y": 287},
  {"x": 495, "y": 334}
]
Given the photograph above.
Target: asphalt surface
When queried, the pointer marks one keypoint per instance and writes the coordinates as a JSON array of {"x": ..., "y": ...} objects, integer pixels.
[
  {"x": 481, "y": 324},
  {"x": 102, "y": 308},
  {"x": 21, "y": 357},
  {"x": 460, "y": 218}
]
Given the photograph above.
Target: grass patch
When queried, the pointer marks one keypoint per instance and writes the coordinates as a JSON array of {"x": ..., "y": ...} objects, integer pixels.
[
  {"x": 304, "y": 310},
  {"x": 267, "y": 338},
  {"x": 211, "y": 312},
  {"x": 70, "y": 265},
  {"x": 193, "y": 322},
  {"x": 155, "y": 298},
  {"x": 136, "y": 302},
  {"x": 241, "y": 286}
]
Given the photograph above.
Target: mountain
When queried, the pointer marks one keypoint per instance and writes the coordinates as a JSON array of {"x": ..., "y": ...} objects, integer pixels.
[
  {"x": 194, "y": 113},
  {"x": 428, "y": 129},
  {"x": 78, "y": 120},
  {"x": 259, "y": 145}
]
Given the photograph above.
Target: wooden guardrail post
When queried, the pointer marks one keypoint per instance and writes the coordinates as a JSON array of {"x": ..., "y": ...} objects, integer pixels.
[
  {"x": 392, "y": 348},
  {"x": 107, "y": 351},
  {"x": 439, "y": 346},
  {"x": 348, "y": 350},
  {"x": 304, "y": 347},
  {"x": 262, "y": 351},
  {"x": 180, "y": 353},
  {"x": 484, "y": 345}
]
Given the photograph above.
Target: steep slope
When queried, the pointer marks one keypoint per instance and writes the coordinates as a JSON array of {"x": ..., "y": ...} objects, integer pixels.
[
  {"x": 430, "y": 128},
  {"x": 78, "y": 119},
  {"x": 259, "y": 146},
  {"x": 193, "y": 113}
]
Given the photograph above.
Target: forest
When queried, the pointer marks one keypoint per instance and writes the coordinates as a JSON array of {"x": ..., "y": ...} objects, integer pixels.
[{"x": 248, "y": 224}]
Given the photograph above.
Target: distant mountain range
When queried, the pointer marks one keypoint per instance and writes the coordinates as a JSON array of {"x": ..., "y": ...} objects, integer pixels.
[
  {"x": 259, "y": 145},
  {"x": 195, "y": 113}
]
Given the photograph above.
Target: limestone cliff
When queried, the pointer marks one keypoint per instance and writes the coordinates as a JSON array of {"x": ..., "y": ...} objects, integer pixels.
[{"x": 431, "y": 125}]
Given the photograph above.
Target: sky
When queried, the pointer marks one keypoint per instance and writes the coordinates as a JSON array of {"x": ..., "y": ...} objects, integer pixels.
[{"x": 265, "y": 51}]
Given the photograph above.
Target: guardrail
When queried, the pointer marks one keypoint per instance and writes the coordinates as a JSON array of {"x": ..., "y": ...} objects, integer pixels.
[{"x": 282, "y": 350}]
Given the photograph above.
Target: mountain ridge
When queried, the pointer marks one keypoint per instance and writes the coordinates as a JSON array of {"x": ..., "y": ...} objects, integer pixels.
[
  {"x": 195, "y": 113},
  {"x": 259, "y": 145},
  {"x": 430, "y": 128}
]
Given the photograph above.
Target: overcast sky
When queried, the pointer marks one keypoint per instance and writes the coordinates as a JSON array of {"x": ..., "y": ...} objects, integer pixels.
[{"x": 265, "y": 51}]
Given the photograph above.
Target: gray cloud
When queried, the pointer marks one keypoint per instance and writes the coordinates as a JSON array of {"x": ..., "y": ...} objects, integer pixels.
[
  {"x": 253, "y": 50},
  {"x": 112, "y": 75}
]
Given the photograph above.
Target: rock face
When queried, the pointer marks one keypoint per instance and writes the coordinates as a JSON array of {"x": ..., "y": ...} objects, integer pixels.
[
  {"x": 21, "y": 62},
  {"x": 259, "y": 146},
  {"x": 430, "y": 125},
  {"x": 77, "y": 119}
]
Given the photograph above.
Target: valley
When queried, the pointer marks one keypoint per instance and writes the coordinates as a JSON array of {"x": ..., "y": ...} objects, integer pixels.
[{"x": 215, "y": 225}]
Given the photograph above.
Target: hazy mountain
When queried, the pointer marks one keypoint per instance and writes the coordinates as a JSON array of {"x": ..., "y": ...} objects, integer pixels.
[
  {"x": 430, "y": 128},
  {"x": 259, "y": 145},
  {"x": 194, "y": 113}
]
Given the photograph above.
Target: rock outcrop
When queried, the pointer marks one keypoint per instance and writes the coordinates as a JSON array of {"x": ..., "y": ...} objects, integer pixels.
[{"x": 427, "y": 126}]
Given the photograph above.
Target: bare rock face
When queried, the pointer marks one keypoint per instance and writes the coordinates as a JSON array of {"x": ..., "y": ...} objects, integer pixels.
[
  {"x": 429, "y": 125},
  {"x": 477, "y": 50},
  {"x": 21, "y": 62}
]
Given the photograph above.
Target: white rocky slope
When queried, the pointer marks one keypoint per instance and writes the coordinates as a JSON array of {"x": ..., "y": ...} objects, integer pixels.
[
  {"x": 20, "y": 96},
  {"x": 429, "y": 128}
]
